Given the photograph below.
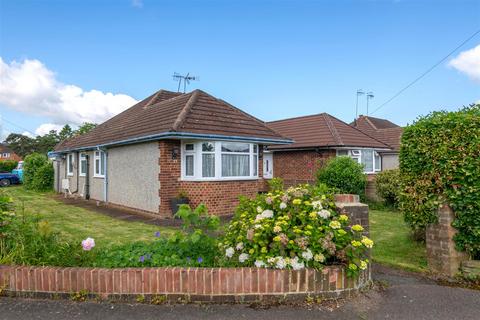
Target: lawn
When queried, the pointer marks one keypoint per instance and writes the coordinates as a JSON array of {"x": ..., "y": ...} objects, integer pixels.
[
  {"x": 78, "y": 223},
  {"x": 393, "y": 245}
]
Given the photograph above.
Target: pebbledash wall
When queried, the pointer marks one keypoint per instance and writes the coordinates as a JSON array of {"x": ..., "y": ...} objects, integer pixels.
[
  {"x": 220, "y": 197},
  {"x": 296, "y": 167}
]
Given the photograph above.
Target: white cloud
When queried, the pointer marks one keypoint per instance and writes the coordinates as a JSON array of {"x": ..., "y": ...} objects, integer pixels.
[
  {"x": 47, "y": 127},
  {"x": 468, "y": 62},
  {"x": 30, "y": 87},
  {"x": 137, "y": 3}
]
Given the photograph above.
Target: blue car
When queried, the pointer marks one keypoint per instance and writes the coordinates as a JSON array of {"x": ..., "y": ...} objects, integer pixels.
[
  {"x": 19, "y": 170},
  {"x": 7, "y": 179}
]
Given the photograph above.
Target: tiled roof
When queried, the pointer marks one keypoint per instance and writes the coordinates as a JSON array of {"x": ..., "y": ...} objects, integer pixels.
[
  {"x": 381, "y": 129},
  {"x": 321, "y": 130},
  {"x": 166, "y": 112}
]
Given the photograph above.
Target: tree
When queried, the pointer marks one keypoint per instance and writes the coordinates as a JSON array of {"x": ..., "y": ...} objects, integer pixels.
[
  {"x": 85, "y": 127},
  {"x": 20, "y": 144},
  {"x": 47, "y": 142},
  {"x": 65, "y": 133}
]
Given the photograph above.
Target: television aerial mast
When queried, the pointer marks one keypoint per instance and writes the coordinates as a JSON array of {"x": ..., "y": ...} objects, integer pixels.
[{"x": 186, "y": 80}]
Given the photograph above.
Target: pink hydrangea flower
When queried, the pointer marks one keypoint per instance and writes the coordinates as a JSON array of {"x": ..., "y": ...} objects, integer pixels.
[{"x": 88, "y": 244}]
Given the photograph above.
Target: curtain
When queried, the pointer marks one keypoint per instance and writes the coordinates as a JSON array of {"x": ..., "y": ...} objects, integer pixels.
[
  {"x": 189, "y": 165},
  {"x": 367, "y": 160},
  {"x": 208, "y": 165},
  {"x": 235, "y": 165}
]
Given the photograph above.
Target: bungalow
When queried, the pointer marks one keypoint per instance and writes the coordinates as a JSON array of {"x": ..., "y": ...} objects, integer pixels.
[
  {"x": 166, "y": 144},
  {"x": 385, "y": 131},
  {"x": 316, "y": 139},
  {"x": 7, "y": 154}
]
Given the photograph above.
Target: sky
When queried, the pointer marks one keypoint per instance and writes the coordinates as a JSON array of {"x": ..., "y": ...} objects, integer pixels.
[{"x": 75, "y": 61}]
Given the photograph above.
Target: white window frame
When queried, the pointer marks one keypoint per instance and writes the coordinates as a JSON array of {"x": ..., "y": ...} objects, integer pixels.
[
  {"x": 97, "y": 155},
  {"x": 70, "y": 161},
  {"x": 6, "y": 155},
  {"x": 197, "y": 156},
  {"x": 83, "y": 157},
  {"x": 357, "y": 154}
]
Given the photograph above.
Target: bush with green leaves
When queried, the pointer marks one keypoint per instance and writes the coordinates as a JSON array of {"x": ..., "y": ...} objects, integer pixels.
[
  {"x": 8, "y": 165},
  {"x": 344, "y": 174},
  {"x": 276, "y": 184},
  {"x": 440, "y": 163},
  {"x": 38, "y": 173},
  {"x": 293, "y": 229},
  {"x": 195, "y": 245},
  {"x": 388, "y": 185}
]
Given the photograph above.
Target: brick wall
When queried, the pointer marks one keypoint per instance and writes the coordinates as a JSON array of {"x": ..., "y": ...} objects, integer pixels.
[
  {"x": 220, "y": 197},
  {"x": 442, "y": 257},
  {"x": 357, "y": 212},
  {"x": 190, "y": 284},
  {"x": 296, "y": 167}
]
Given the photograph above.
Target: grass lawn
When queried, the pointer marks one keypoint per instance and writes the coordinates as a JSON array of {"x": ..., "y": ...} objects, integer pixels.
[
  {"x": 78, "y": 223},
  {"x": 393, "y": 245}
]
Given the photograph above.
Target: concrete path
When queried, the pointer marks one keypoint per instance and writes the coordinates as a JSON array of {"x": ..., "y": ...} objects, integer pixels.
[{"x": 405, "y": 296}]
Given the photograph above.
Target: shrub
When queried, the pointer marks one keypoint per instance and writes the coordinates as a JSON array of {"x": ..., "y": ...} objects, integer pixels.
[
  {"x": 440, "y": 163},
  {"x": 344, "y": 174},
  {"x": 276, "y": 184},
  {"x": 388, "y": 186},
  {"x": 38, "y": 173},
  {"x": 8, "y": 165},
  {"x": 195, "y": 246},
  {"x": 294, "y": 229}
]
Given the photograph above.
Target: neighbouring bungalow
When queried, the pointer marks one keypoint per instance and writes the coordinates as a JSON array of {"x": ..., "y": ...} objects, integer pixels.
[
  {"x": 168, "y": 143},
  {"x": 385, "y": 131},
  {"x": 7, "y": 154},
  {"x": 318, "y": 138}
]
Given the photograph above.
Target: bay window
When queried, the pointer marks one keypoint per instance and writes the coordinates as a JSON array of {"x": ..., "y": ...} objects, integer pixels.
[
  {"x": 369, "y": 158},
  {"x": 219, "y": 160}
]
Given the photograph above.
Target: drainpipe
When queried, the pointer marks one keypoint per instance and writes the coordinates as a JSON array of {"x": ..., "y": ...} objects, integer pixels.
[{"x": 87, "y": 178}]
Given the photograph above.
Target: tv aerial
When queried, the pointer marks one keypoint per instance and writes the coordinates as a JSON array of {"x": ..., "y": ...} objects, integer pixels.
[{"x": 186, "y": 80}]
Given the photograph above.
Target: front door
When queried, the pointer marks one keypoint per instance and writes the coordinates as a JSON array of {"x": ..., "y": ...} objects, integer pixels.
[{"x": 268, "y": 165}]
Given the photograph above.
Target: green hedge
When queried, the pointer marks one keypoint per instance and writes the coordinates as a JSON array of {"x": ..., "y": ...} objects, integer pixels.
[
  {"x": 7, "y": 165},
  {"x": 388, "y": 186},
  {"x": 343, "y": 174},
  {"x": 440, "y": 163},
  {"x": 38, "y": 173}
]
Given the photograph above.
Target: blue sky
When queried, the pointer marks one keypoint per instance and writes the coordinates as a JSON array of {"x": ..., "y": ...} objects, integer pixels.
[{"x": 273, "y": 59}]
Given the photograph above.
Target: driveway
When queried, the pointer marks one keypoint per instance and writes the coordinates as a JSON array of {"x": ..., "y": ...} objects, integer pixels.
[{"x": 404, "y": 296}]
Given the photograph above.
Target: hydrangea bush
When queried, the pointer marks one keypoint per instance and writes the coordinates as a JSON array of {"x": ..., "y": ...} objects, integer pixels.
[{"x": 293, "y": 229}]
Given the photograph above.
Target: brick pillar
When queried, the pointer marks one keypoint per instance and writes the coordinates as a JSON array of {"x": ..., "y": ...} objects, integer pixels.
[
  {"x": 442, "y": 257},
  {"x": 350, "y": 205}
]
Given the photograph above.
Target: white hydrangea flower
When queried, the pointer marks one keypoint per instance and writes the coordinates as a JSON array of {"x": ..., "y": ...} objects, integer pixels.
[
  {"x": 259, "y": 209},
  {"x": 307, "y": 255},
  {"x": 243, "y": 257},
  {"x": 325, "y": 214},
  {"x": 257, "y": 226},
  {"x": 283, "y": 205},
  {"x": 271, "y": 260},
  {"x": 280, "y": 263},
  {"x": 259, "y": 264},
  {"x": 296, "y": 265},
  {"x": 317, "y": 205},
  {"x": 319, "y": 257},
  {"x": 267, "y": 214},
  {"x": 239, "y": 246},
  {"x": 229, "y": 252}
]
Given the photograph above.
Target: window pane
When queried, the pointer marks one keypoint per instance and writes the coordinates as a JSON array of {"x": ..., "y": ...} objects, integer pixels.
[
  {"x": 208, "y": 165},
  {"x": 367, "y": 160},
  {"x": 189, "y": 146},
  {"x": 235, "y": 147},
  {"x": 255, "y": 165},
  {"x": 102, "y": 164},
  {"x": 342, "y": 153},
  {"x": 235, "y": 165},
  {"x": 83, "y": 166},
  {"x": 377, "y": 162},
  {"x": 255, "y": 148},
  {"x": 97, "y": 166},
  {"x": 189, "y": 165},
  {"x": 208, "y": 147}
]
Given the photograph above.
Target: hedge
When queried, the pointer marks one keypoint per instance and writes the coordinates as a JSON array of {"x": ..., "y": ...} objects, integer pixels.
[
  {"x": 440, "y": 163},
  {"x": 343, "y": 174},
  {"x": 8, "y": 165},
  {"x": 38, "y": 172}
]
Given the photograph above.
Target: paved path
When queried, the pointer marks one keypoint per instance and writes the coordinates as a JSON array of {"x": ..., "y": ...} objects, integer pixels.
[{"x": 405, "y": 297}]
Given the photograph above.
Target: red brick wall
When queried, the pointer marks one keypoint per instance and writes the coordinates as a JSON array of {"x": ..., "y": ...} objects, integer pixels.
[
  {"x": 296, "y": 167},
  {"x": 190, "y": 284},
  {"x": 220, "y": 197}
]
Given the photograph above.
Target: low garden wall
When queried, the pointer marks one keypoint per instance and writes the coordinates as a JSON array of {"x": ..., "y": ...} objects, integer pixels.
[{"x": 186, "y": 284}]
